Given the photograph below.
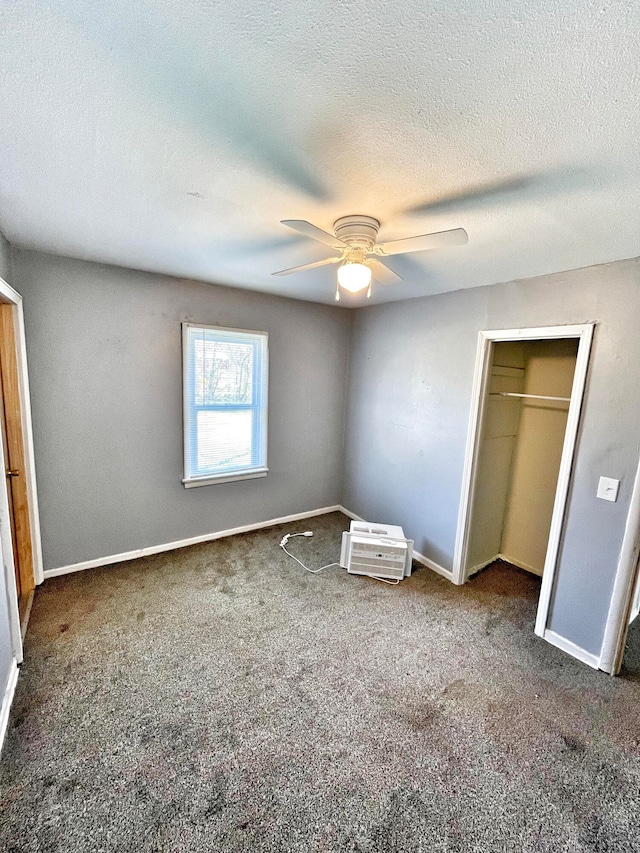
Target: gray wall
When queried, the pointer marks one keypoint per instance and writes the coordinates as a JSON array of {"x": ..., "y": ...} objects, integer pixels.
[
  {"x": 409, "y": 397},
  {"x": 104, "y": 354},
  {"x": 5, "y": 259}
]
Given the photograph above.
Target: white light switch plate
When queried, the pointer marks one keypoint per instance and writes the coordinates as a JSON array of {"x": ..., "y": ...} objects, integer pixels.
[{"x": 608, "y": 489}]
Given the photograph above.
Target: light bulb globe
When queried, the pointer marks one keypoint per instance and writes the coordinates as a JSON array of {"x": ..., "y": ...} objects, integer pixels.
[{"x": 354, "y": 277}]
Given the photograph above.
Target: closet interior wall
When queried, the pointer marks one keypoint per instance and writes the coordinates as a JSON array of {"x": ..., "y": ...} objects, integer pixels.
[{"x": 520, "y": 452}]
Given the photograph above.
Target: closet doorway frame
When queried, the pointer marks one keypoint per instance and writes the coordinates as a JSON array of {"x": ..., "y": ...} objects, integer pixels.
[{"x": 484, "y": 357}]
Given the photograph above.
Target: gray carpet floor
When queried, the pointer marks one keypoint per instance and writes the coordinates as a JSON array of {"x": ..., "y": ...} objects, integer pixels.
[{"x": 219, "y": 698}]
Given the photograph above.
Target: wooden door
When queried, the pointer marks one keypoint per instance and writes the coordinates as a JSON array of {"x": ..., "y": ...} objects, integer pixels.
[
  {"x": 14, "y": 458},
  {"x": 10, "y": 474}
]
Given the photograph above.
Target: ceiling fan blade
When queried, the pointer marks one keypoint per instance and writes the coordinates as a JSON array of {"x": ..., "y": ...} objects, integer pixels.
[
  {"x": 382, "y": 273},
  {"x": 480, "y": 194},
  {"x": 308, "y": 266},
  {"x": 425, "y": 242},
  {"x": 309, "y": 230},
  {"x": 527, "y": 187}
]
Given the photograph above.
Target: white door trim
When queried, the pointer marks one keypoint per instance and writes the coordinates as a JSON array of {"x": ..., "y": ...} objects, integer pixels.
[
  {"x": 486, "y": 340},
  {"x": 7, "y": 699},
  {"x": 615, "y": 632},
  {"x": 484, "y": 355},
  {"x": 572, "y": 649},
  {"x": 8, "y": 294},
  {"x": 6, "y": 555}
]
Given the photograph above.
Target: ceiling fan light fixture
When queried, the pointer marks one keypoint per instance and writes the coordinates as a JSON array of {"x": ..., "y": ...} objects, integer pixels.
[
  {"x": 359, "y": 256},
  {"x": 354, "y": 277}
]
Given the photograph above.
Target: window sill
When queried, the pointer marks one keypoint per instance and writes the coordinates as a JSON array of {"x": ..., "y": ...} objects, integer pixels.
[{"x": 225, "y": 478}]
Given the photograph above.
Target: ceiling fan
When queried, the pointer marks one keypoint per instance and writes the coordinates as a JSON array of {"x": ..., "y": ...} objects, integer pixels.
[{"x": 360, "y": 256}]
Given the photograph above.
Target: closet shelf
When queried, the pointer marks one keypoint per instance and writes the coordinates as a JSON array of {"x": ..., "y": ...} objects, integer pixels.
[{"x": 529, "y": 396}]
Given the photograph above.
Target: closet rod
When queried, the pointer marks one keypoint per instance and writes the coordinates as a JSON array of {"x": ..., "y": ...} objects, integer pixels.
[{"x": 530, "y": 396}]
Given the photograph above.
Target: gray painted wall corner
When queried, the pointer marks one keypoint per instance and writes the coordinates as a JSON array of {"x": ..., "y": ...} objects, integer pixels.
[{"x": 411, "y": 372}]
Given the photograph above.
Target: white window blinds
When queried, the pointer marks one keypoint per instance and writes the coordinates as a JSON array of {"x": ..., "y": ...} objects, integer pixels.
[{"x": 225, "y": 404}]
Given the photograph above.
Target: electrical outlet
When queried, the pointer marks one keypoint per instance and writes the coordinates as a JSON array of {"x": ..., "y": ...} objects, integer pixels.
[{"x": 608, "y": 489}]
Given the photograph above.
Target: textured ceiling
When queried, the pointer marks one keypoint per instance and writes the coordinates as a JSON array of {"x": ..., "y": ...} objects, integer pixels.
[{"x": 173, "y": 135}]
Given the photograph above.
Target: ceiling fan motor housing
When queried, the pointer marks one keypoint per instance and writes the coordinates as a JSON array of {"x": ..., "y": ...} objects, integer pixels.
[
  {"x": 358, "y": 232},
  {"x": 354, "y": 240}
]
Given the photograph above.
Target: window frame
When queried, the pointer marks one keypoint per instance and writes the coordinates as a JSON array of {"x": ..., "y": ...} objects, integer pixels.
[{"x": 259, "y": 407}]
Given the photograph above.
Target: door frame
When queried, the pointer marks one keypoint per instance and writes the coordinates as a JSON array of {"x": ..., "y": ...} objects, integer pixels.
[
  {"x": 624, "y": 586},
  {"x": 12, "y": 297},
  {"x": 484, "y": 355}
]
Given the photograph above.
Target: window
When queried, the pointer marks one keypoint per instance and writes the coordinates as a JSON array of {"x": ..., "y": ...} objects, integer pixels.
[{"x": 225, "y": 404}]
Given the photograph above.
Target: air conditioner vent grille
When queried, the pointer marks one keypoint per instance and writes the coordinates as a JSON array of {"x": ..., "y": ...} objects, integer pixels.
[{"x": 376, "y": 550}]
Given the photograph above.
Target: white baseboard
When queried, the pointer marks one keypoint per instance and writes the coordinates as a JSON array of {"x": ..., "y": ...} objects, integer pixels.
[
  {"x": 350, "y": 514},
  {"x": 475, "y": 569},
  {"x": 572, "y": 649},
  {"x": 221, "y": 534},
  {"x": 520, "y": 565},
  {"x": 431, "y": 564},
  {"x": 183, "y": 543},
  {"x": 7, "y": 699}
]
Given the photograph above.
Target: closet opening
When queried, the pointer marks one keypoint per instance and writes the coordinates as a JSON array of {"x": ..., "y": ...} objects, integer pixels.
[
  {"x": 525, "y": 422},
  {"x": 528, "y": 394}
]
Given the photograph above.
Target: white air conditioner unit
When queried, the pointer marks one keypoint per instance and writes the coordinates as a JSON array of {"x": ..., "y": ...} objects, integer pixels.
[{"x": 376, "y": 550}]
